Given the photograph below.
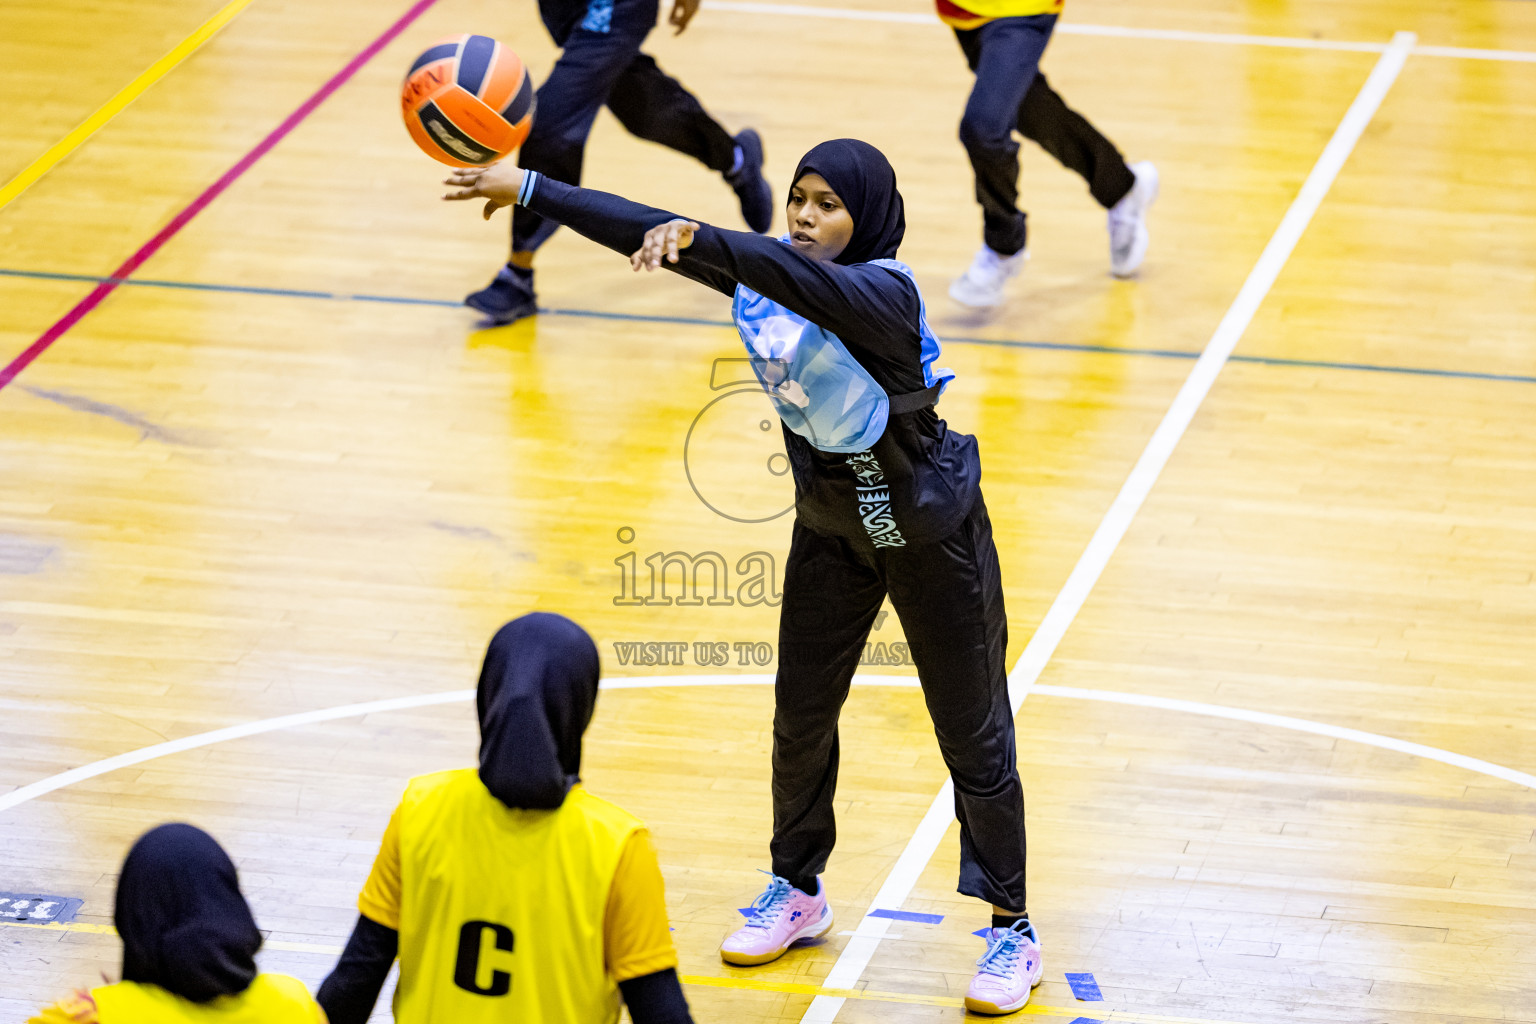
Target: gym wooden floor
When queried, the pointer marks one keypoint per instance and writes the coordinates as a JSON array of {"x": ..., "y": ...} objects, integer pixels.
[{"x": 247, "y": 487}]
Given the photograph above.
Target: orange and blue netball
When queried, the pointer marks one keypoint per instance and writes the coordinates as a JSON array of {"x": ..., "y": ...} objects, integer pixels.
[{"x": 467, "y": 101}]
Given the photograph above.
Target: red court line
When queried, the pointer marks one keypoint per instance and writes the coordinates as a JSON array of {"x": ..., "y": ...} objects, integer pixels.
[{"x": 212, "y": 192}]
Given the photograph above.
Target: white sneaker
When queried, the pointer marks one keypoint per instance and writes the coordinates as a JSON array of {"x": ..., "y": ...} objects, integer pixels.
[
  {"x": 1128, "y": 236},
  {"x": 982, "y": 285}
]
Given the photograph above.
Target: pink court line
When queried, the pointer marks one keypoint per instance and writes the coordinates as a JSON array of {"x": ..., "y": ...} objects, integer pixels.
[{"x": 212, "y": 192}]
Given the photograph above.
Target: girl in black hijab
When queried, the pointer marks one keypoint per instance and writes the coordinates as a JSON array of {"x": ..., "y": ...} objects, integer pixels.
[
  {"x": 887, "y": 503},
  {"x": 537, "y": 692},
  {"x": 507, "y": 891},
  {"x": 189, "y": 944}
]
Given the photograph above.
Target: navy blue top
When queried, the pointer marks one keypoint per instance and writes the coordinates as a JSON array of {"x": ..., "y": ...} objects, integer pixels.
[{"x": 934, "y": 473}]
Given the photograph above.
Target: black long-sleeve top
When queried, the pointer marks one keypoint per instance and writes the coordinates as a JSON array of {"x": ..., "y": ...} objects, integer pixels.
[{"x": 932, "y": 472}]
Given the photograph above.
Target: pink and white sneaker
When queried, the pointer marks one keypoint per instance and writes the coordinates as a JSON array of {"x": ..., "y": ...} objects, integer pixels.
[
  {"x": 781, "y": 917},
  {"x": 1010, "y": 968}
]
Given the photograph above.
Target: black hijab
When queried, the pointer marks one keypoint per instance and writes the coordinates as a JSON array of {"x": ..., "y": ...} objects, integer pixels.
[
  {"x": 184, "y": 924},
  {"x": 866, "y": 183},
  {"x": 537, "y": 691}
]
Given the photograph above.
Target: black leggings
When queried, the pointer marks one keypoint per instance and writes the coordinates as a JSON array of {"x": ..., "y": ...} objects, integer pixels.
[
  {"x": 1010, "y": 92},
  {"x": 600, "y": 64},
  {"x": 949, "y": 597}
]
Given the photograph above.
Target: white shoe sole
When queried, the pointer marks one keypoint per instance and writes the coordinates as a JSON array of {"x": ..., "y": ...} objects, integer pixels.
[
  {"x": 1138, "y": 254},
  {"x": 992, "y": 1009},
  {"x": 983, "y": 1006},
  {"x": 974, "y": 301},
  {"x": 976, "y": 297}
]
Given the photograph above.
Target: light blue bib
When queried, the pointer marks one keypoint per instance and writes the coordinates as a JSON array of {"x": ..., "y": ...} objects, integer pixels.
[{"x": 818, "y": 387}]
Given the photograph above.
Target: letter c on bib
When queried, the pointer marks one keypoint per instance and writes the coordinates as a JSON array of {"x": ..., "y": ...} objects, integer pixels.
[{"x": 466, "y": 970}]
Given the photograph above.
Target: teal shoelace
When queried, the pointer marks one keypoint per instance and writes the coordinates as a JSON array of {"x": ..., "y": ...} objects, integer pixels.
[
  {"x": 1003, "y": 951},
  {"x": 766, "y": 907}
]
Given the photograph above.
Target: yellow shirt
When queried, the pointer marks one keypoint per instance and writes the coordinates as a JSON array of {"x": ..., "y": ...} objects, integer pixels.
[
  {"x": 976, "y": 13},
  {"x": 270, "y": 999},
  {"x": 507, "y": 914}
]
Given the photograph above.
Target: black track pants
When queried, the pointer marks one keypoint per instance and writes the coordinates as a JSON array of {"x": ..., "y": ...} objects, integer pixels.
[
  {"x": 949, "y": 597},
  {"x": 598, "y": 67},
  {"x": 1010, "y": 92}
]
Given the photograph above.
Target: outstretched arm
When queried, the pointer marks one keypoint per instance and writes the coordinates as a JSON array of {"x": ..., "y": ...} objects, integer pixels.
[
  {"x": 606, "y": 219},
  {"x": 856, "y": 302},
  {"x": 848, "y": 301}
]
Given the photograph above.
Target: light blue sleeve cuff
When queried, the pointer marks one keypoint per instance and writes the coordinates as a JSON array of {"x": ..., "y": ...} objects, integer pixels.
[{"x": 530, "y": 182}]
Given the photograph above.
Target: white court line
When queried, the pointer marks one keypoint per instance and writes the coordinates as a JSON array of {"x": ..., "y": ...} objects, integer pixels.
[
  {"x": 1124, "y": 32},
  {"x": 1337, "y": 732},
  {"x": 234, "y": 732},
  {"x": 208, "y": 739},
  {"x": 1521, "y": 56},
  {"x": 930, "y": 832},
  {"x": 42, "y": 787}
]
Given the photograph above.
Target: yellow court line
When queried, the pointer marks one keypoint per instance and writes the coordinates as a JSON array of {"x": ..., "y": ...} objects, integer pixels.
[
  {"x": 73, "y": 926},
  {"x": 110, "y": 109},
  {"x": 748, "y": 984},
  {"x": 106, "y": 929}
]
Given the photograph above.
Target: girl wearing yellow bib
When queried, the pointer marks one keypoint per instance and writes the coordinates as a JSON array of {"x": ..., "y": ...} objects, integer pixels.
[
  {"x": 189, "y": 945},
  {"x": 508, "y": 892}
]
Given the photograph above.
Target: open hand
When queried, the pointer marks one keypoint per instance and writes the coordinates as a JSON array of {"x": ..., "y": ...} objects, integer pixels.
[
  {"x": 497, "y": 184},
  {"x": 663, "y": 240},
  {"x": 682, "y": 13}
]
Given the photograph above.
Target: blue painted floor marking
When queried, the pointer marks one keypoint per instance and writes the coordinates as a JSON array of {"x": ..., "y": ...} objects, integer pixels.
[
  {"x": 907, "y": 915},
  {"x": 1085, "y": 988},
  {"x": 595, "y": 314}
]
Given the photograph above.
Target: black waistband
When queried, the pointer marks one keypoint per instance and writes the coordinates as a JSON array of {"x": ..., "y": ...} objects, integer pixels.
[{"x": 915, "y": 400}]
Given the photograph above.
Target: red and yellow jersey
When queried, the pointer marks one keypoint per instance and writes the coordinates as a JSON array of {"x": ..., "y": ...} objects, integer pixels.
[
  {"x": 509, "y": 914},
  {"x": 270, "y": 999},
  {"x": 976, "y": 13}
]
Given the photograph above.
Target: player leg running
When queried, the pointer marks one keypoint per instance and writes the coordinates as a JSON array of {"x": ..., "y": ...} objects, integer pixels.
[
  {"x": 601, "y": 63},
  {"x": 888, "y": 502},
  {"x": 1003, "y": 41}
]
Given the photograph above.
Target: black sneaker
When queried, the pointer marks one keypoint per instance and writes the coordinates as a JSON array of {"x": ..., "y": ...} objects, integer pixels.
[
  {"x": 751, "y": 187},
  {"x": 507, "y": 299}
]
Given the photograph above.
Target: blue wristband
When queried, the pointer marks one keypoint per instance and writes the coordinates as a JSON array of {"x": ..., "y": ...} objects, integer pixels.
[{"x": 525, "y": 192}]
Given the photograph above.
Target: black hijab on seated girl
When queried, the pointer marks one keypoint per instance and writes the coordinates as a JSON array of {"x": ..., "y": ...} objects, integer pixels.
[
  {"x": 538, "y": 688},
  {"x": 184, "y": 924}
]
